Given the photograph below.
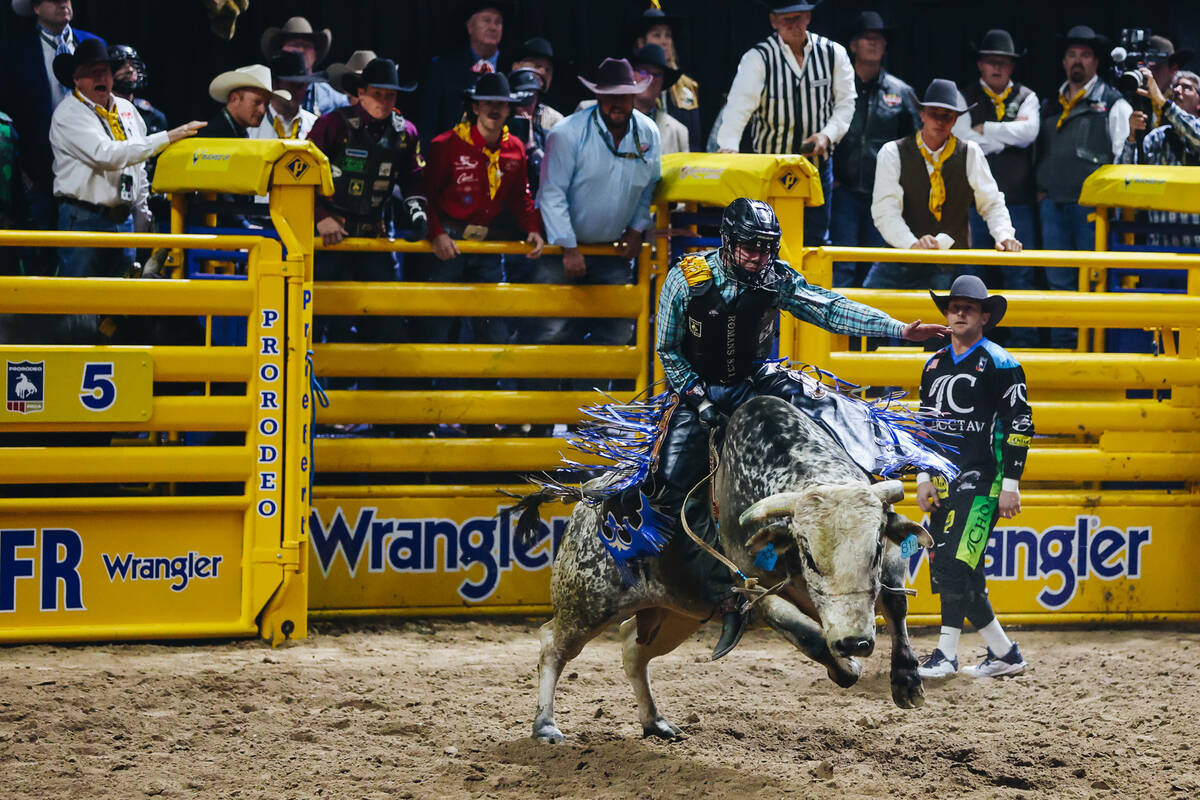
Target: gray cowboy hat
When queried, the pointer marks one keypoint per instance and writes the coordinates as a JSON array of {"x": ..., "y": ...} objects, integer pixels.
[
  {"x": 971, "y": 287},
  {"x": 616, "y": 76},
  {"x": 998, "y": 42},
  {"x": 1082, "y": 34},
  {"x": 357, "y": 61},
  {"x": 942, "y": 93}
]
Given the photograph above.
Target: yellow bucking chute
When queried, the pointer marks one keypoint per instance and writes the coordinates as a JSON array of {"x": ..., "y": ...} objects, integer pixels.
[
  {"x": 240, "y": 166},
  {"x": 716, "y": 179},
  {"x": 1149, "y": 187}
]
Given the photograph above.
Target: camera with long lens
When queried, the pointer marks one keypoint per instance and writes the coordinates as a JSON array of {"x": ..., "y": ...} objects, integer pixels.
[{"x": 1133, "y": 51}]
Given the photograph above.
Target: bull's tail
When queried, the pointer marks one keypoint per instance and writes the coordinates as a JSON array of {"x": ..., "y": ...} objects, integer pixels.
[{"x": 529, "y": 514}]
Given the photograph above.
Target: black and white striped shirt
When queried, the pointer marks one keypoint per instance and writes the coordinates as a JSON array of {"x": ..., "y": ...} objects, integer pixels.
[{"x": 783, "y": 102}]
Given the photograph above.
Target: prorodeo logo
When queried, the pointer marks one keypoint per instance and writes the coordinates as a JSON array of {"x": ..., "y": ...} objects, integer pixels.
[
  {"x": 411, "y": 545},
  {"x": 25, "y": 386},
  {"x": 181, "y": 570}
]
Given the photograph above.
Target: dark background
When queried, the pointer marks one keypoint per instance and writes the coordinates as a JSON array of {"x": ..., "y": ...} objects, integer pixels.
[{"x": 932, "y": 38}]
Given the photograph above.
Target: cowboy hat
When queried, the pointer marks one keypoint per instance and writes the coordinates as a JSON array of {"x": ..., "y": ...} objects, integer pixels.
[
  {"x": 355, "y": 63},
  {"x": 255, "y": 76},
  {"x": 1161, "y": 50},
  {"x": 789, "y": 6},
  {"x": 492, "y": 86},
  {"x": 998, "y": 42},
  {"x": 289, "y": 67},
  {"x": 615, "y": 76},
  {"x": 654, "y": 55},
  {"x": 470, "y": 8},
  {"x": 89, "y": 51},
  {"x": 655, "y": 16},
  {"x": 1082, "y": 34},
  {"x": 526, "y": 81},
  {"x": 296, "y": 28},
  {"x": 870, "y": 21},
  {"x": 380, "y": 73},
  {"x": 942, "y": 93},
  {"x": 971, "y": 287},
  {"x": 537, "y": 47}
]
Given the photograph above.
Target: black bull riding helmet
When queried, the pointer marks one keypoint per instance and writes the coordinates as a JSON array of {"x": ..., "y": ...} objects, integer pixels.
[{"x": 750, "y": 223}]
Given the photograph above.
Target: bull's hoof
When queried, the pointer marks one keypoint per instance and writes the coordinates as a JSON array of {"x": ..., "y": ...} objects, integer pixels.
[
  {"x": 844, "y": 671},
  {"x": 663, "y": 729},
  {"x": 907, "y": 691},
  {"x": 548, "y": 733}
]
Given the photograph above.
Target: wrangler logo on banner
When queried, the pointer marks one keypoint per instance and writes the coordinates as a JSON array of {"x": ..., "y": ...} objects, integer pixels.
[{"x": 25, "y": 386}]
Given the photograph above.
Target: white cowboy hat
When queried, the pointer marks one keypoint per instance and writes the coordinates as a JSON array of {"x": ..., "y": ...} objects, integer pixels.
[{"x": 255, "y": 76}]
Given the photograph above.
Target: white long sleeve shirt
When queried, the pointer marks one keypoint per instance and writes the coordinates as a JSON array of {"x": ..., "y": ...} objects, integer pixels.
[
  {"x": 1021, "y": 132},
  {"x": 747, "y": 88},
  {"x": 887, "y": 202},
  {"x": 89, "y": 162}
]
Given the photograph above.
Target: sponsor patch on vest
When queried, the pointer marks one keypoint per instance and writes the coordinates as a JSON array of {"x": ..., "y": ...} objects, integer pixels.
[
  {"x": 381, "y": 186},
  {"x": 1100, "y": 106},
  {"x": 385, "y": 169},
  {"x": 358, "y": 187},
  {"x": 355, "y": 164},
  {"x": 890, "y": 99},
  {"x": 695, "y": 328}
]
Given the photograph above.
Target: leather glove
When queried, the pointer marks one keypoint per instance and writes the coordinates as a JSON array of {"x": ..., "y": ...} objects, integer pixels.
[
  {"x": 696, "y": 398},
  {"x": 418, "y": 219},
  {"x": 712, "y": 417}
]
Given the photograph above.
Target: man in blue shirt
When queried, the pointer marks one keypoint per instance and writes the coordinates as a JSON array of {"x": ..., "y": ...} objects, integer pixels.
[{"x": 598, "y": 177}]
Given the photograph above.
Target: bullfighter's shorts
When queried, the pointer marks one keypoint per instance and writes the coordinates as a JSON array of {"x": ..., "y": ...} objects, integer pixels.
[{"x": 960, "y": 528}]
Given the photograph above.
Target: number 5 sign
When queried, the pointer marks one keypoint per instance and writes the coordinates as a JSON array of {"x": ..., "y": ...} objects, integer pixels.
[{"x": 49, "y": 385}]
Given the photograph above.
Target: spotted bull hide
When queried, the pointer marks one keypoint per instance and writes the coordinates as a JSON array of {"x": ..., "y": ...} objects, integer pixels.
[{"x": 783, "y": 482}]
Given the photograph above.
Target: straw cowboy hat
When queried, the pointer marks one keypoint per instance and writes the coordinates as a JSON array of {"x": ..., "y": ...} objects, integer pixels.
[
  {"x": 970, "y": 287},
  {"x": 357, "y": 61},
  {"x": 296, "y": 28},
  {"x": 255, "y": 76},
  {"x": 616, "y": 76}
]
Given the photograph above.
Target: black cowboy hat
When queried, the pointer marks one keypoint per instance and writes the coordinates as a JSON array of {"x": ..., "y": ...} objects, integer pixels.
[
  {"x": 469, "y": 8},
  {"x": 379, "y": 74},
  {"x": 289, "y": 66},
  {"x": 1082, "y": 34},
  {"x": 654, "y": 55},
  {"x": 971, "y": 287},
  {"x": 789, "y": 6},
  {"x": 998, "y": 42},
  {"x": 615, "y": 76},
  {"x": 655, "y": 16},
  {"x": 493, "y": 86},
  {"x": 89, "y": 51},
  {"x": 869, "y": 21},
  {"x": 537, "y": 47},
  {"x": 942, "y": 93}
]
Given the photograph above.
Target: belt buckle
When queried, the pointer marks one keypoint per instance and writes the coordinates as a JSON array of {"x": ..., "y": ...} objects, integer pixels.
[{"x": 475, "y": 233}]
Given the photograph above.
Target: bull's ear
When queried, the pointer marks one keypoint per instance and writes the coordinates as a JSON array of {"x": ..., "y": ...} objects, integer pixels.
[
  {"x": 778, "y": 533},
  {"x": 899, "y": 527}
]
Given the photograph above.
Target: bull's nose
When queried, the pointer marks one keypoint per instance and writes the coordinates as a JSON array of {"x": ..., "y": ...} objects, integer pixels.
[{"x": 854, "y": 646}]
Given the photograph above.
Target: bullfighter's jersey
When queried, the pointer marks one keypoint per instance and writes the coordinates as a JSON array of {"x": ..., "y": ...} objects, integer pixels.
[{"x": 981, "y": 397}]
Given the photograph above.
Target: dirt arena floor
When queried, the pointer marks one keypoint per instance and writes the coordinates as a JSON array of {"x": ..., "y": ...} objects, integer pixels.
[{"x": 443, "y": 710}]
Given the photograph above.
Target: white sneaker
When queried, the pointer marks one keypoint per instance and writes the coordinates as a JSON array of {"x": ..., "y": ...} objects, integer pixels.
[
  {"x": 1011, "y": 663},
  {"x": 938, "y": 666}
]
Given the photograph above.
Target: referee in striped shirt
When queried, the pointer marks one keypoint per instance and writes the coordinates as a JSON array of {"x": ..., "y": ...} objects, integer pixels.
[{"x": 795, "y": 89}]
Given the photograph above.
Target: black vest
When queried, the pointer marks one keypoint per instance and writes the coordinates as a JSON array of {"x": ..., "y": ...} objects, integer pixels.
[
  {"x": 1012, "y": 167},
  {"x": 914, "y": 180},
  {"x": 1067, "y": 155},
  {"x": 724, "y": 341},
  {"x": 364, "y": 167}
]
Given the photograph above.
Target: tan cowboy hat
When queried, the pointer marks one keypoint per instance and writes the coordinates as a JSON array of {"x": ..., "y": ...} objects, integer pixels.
[
  {"x": 296, "y": 28},
  {"x": 255, "y": 76},
  {"x": 356, "y": 63}
]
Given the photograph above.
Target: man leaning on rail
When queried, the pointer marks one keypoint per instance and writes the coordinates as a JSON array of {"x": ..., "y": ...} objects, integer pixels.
[{"x": 716, "y": 322}]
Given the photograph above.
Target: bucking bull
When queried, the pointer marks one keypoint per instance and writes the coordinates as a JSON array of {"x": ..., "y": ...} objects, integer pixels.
[{"x": 783, "y": 481}]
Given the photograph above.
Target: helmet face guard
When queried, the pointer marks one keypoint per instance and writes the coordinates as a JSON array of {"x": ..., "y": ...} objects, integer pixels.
[
  {"x": 750, "y": 237},
  {"x": 119, "y": 54}
]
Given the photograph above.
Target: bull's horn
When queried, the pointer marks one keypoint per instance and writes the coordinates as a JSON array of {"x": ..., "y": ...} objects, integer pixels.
[
  {"x": 888, "y": 491},
  {"x": 776, "y": 505}
]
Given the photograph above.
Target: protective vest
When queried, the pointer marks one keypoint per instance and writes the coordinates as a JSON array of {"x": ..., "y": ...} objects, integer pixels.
[
  {"x": 364, "y": 167},
  {"x": 1067, "y": 155},
  {"x": 1012, "y": 167},
  {"x": 914, "y": 180},
  {"x": 724, "y": 341}
]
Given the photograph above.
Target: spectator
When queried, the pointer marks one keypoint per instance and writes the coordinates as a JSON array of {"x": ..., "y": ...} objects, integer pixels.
[
  {"x": 30, "y": 93},
  {"x": 474, "y": 171},
  {"x": 285, "y": 119},
  {"x": 454, "y": 73},
  {"x": 796, "y": 90},
  {"x": 1175, "y": 142},
  {"x": 12, "y": 197},
  {"x": 682, "y": 98},
  {"x": 1083, "y": 126},
  {"x": 526, "y": 122},
  {"x": 355, "y": 63},
  {"x": 1004, "y": 122},
  {"x": 924, "y": 185},
  {"x": 99, "y": 143},
  {"x": 298, "y": 36},
  {"x": 885, "y": 109},
  {"x": 601, "y": 168},
  {"x": 650, "y": 62},
  {"x": 990, "y": 422},
  {"x": 1163, "y": 61},
  {"x": 244, "y": 92},
  {"x": 537, "y": 54},
  {"x": 373, "y": 150}
]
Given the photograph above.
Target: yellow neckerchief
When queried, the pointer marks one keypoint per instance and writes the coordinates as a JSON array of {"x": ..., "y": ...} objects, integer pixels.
[
  {"x": 110, "y": 118},
  {"x": 997, "y": 99},
  {"x": 937, "y": 186},
  {"x": 463, "y": 130},
  {"x": 1069, "y": 104},
  {"x": 277, "y": 124}
]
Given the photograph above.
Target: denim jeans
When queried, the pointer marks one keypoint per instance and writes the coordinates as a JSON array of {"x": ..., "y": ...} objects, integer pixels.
[
  {"x": 1065, "y": 227},
  {"x": 816, "y": 218},
  {"x": 850, "y": 225},
  {"x": 92, "y": 262},
  {"x": 908, "y": 276},
  {"x": 1007, "y": 277},
  {"x": 465, "y": 268},
  {"x": 331, "y": 265}
]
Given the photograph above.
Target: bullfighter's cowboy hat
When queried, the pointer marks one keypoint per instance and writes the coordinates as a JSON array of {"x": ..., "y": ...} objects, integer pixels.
[
  {"x": 998, "y": 42},
  {"x": 255, "y": 76},
  {"x": 616, "y": 76},
  {"x": 971, "y": 287},
  {"x": 380, "y": 73},
  {"x": 296, "y": 28},
  {"x": 357, "y": 61},
  {"x": 942, "y": 93},
  {"x": 655, "y": 56},
  {"x": 89, "y": 51}
]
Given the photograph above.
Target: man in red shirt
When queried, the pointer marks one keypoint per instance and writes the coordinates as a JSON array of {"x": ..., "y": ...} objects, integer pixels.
[{"x": 475, "y": 171}]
